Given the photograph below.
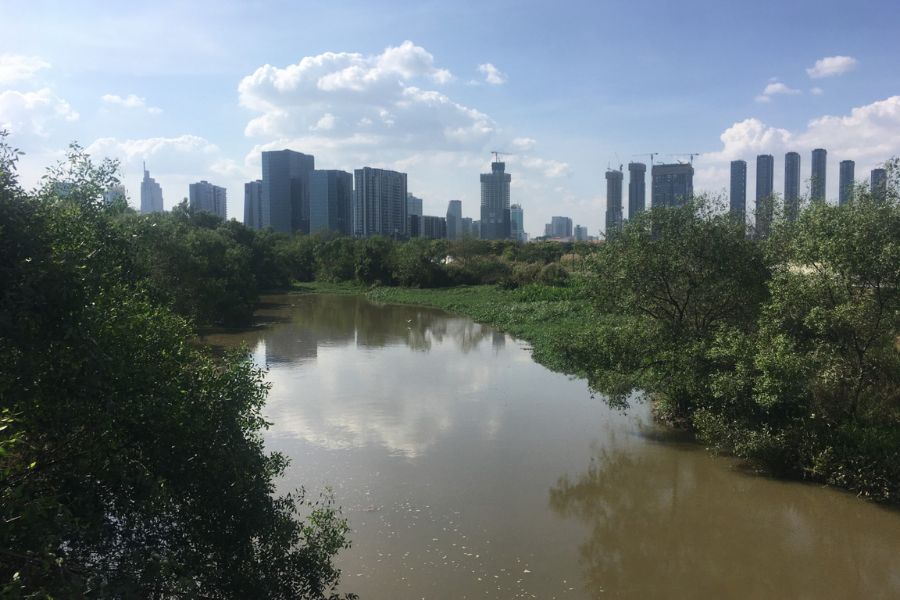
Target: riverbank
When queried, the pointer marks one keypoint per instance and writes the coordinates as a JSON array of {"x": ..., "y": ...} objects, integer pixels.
[{"x": 551, "y": 319}]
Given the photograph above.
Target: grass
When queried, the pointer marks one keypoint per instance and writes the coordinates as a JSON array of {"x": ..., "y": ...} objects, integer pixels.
[{"x": 547, "y": 317}]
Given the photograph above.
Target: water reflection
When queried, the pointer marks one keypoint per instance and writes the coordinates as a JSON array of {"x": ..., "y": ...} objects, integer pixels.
[
  {"x": 311, "y": 321},
  {"x": 666, "y": 522}
]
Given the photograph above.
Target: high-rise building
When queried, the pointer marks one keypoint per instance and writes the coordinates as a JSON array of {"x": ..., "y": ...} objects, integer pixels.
[
  {"x": 413, "y": 205},
  {"x": 209, "y": 198},
  {"x": 878, "y": 183},
  {"x": 581, "y": 233},
  {"x": 468, "y": 229},
  {"x": 434, "y": 228},
  {"x": 454, "y": 220},
  {"x": 846, "y": 181},
  {"x": 817, "y": 178},
  {"x": 253, "y": 204},
  {"x": 765, "y": 193},
  {"x": 495, "y": 203},
  {"x": 115, "y": 193},
  {"x": 331, "y": 201},
  {"x": 517, "y": 223},
  {"x": 791, "y": 185},
  {"x": 613, "y": 202},
  {"x": 285, "y": 190},
  {"x": 673, "y": 184},
  {"x": 379, "y": 201},
  {"x": 559, "y": 227},
  {"x": 737, "y": 199},
  {"x": 637, "y": 189},
  {"x": 151, "y": 194}
]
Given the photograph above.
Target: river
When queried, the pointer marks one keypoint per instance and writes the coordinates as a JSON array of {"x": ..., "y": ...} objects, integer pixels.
[{"x": 467, "y": 470}]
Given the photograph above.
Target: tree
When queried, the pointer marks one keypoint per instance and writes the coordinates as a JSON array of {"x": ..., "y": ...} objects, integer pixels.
[{"x": 131, "y": 461}]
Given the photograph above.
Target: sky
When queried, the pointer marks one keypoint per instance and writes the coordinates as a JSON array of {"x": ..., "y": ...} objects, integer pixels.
[{"x": 564, "y": 89}]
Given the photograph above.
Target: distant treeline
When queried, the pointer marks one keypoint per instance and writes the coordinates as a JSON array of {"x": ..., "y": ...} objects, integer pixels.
[{"x": 131, "y": 460}]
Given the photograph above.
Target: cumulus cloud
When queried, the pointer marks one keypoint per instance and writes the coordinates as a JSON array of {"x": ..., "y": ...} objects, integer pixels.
[
  {"x": 353, "y": 101},
  {"x": 129, "y": 101},
  {"x": 869, "y": 135},
  {"x": 817, "y": 91},
  {"x": 524, "y": 143},
  {"x": 775, "y": 88},
  {"x": 492, "y": 74},
  {"x": 831, "y": 66},
  {"x": 18, "y": 67},
  {"x": 30, "y": 113}
]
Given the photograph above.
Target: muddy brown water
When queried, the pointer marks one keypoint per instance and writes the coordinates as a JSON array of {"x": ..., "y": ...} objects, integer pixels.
[{"x": 467, "y": 470}]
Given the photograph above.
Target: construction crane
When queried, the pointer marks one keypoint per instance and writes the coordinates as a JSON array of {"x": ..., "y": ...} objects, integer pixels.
[
  {"x": 689, "y": 154},
  {"x": 498, "y": 153},
  {"x": 650, "y": 154}
]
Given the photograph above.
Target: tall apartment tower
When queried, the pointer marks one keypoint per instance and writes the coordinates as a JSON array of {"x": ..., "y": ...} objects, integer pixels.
[
  {"x": 673, "y": 185},
  {"x": 454, "y": 219},
  {"x": 379, "y": 201},
  {"x": 878, "y": 183},
  {"x": 331, "y": 202},
  {"x": 817, "y": 178},
  {"x": 637, "y": 189},
  {"x": 495, "y": 203},
  {"x": 737, "y": 199},
  {"x": 285, "y": 190},
  {"x": 613, "y": 202},
  {"x": 791, "y": 185},
  {"x": 517, "y": 223},
  {"x": 765, "y": 193},
  {"x": 559, "y": 227},
  {"x": 413, "y": 205},
  {"x": 208, "y": 197},
  {"x": 581, "y": 233},
  {"x": 846, "y": 181},
  {"x": 151, "y": 194},
  {"x": 253, "y": 204}
]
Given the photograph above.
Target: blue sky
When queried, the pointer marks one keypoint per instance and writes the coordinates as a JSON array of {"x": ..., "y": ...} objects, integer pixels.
[{"x": 431, "y": 87}]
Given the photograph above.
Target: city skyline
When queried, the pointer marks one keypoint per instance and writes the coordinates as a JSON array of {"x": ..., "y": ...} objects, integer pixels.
[{"x": 433, "y": 100}]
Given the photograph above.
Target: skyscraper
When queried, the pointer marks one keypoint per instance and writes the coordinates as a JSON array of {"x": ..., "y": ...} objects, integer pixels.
[
  {"x": 737, "y": 200},
  {"x": 765, "y": 193},
  {"x": 878, "y": 183},
  {"x": 253, "y": 204},
  {"x": 846, "y": 181},
  {"x": 637, "y": 189},
  {"x": 673, "y": 184},
  {"x": 151, "y": 194},
  {"x": 791, "y": 185},
  {"x": 613, "y": 202},
  {"x": 495, "y": 203},
  {"x": 413, "y": 205},
  {"x": 581, "y": 233},
  {"x": 285, "y": 190},
  {"x": 208, "y": 197},
  {"x": 454, "y": 220},
  {"x": 331, "y": 202},
  {"x": 379, "y": 201},
  {"x": 559, "y": 227},
  {"x": 517, "y": 223},
  {"x": 817, "y": 179}
]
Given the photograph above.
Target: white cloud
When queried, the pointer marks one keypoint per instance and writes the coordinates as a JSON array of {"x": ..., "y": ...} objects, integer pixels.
[
  {"x": 831, "y": 66},
  {"x": 775, "y": 88},
  {"x": 492, "y": 74},
  {"x": 18, "y": 67},
  {"x": 548, "y": 168},
  {"x": 352, "y": 101},
  {"x": 816, "y": 91},
  {"x": 524, "y": 143},
  {"x": 29, "y": 113},
  {"x": 129, "y": 101},
  {"x": 869, "y": 135}
]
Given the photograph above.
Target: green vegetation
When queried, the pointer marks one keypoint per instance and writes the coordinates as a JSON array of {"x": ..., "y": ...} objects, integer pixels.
[{"x": 131, "y": 462}]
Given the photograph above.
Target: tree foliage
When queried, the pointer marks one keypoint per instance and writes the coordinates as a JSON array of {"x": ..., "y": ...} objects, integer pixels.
[{"x": 131, "y": 461}]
